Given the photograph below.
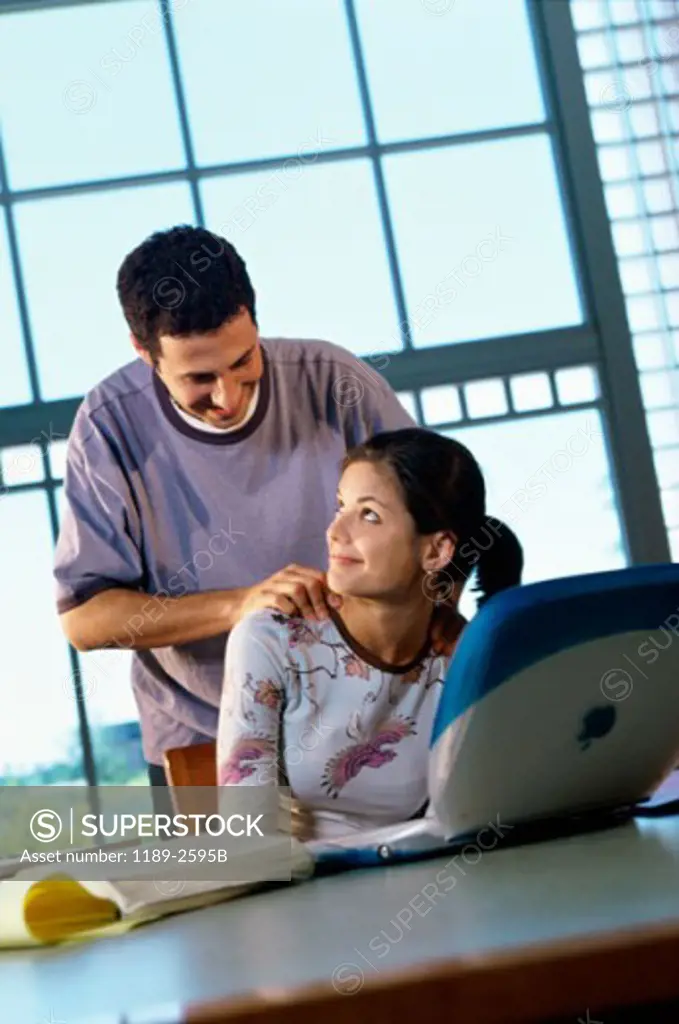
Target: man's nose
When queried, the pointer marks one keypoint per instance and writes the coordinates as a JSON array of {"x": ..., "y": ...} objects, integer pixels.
[{"x": 225, "y": 394}]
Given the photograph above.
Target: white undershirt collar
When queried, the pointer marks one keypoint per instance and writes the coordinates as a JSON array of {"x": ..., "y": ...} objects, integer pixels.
[{"x": 208, "y": 428}]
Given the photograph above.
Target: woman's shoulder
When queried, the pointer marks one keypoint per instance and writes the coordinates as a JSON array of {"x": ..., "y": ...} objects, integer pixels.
[{"x": 274, "y": 628}]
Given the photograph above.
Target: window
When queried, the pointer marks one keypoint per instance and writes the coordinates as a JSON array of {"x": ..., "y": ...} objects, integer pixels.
[
  {"x": 407, "y": 178},
  {"x": 79, "y": 333},
  {"x": 633, "y": 100}
]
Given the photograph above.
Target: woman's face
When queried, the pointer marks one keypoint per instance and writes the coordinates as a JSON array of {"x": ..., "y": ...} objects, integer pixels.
[{"x": 373, "y": 544}]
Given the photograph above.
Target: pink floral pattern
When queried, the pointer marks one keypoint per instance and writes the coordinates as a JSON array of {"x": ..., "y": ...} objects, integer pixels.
[
  {"x": 349, "y": 762},
  {"x": 299, "y": 632},
  {"x": 301, "y": 705},
  {"x": 267, "y": 693},
  {"x": 355, "y": 666},
  {"x": 245, "y": 759}
]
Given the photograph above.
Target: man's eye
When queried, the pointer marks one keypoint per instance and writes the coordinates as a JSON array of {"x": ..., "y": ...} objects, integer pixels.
[{"x": 202, "y": 378}]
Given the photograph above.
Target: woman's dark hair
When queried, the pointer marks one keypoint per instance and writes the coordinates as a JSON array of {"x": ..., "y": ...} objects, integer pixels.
[
  {"x": 183, "y": 281},
  {"x": 444, "y": 489}
]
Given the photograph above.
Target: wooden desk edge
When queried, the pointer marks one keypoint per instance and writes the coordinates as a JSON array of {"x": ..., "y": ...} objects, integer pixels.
[{"x": 608, "y": 969}]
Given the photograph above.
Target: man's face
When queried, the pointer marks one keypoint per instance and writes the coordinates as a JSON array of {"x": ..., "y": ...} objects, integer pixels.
[{"x": 213, "y": 376}]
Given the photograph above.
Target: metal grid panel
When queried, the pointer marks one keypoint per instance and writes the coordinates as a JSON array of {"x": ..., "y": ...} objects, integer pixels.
[{"x": 630, "y": 58}]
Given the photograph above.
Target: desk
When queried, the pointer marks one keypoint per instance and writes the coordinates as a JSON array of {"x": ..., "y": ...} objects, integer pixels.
[{"x": 526, "y": 933}]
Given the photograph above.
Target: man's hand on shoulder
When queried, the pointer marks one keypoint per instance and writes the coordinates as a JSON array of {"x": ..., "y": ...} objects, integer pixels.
[{"x": 295, "y": 590}]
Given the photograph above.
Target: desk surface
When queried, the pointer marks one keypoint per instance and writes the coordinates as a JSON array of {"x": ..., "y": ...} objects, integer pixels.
[{"x": 348, "y": 935}]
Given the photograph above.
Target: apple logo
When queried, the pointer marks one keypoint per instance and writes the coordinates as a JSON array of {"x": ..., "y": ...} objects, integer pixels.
[{"x": 596, "y": 723}]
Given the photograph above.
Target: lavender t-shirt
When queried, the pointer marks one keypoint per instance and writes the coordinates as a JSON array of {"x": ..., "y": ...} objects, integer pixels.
[{"x": 154, "y": 504}]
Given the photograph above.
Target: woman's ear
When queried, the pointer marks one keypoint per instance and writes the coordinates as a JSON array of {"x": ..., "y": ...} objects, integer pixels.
[{"x": 439, "y": 551}]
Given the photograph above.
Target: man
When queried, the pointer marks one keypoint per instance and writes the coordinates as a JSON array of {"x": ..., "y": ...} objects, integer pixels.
[{"x": 201, "y": 478}]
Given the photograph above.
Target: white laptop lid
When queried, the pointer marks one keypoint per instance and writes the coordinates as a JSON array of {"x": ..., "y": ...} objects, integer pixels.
[{"x": 562, "y": 696}]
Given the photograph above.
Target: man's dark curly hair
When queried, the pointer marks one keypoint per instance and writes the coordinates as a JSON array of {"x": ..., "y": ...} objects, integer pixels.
[{"x": 182, "y": 281}]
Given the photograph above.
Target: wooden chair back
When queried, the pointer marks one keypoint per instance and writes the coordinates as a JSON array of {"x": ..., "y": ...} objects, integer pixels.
[{"x": 190, "y": 767}]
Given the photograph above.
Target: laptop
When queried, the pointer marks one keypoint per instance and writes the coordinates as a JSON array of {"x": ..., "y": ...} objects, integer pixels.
[{"x": 559, "y": 714}]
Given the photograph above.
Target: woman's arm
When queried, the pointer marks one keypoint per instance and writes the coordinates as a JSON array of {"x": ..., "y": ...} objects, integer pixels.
[{"x": 253, "y": 702}]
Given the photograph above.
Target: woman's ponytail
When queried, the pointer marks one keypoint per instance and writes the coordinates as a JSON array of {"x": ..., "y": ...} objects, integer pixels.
[{"x": 498, "y": 559}]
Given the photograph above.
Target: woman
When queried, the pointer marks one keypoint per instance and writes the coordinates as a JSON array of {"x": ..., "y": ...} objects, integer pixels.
[{"x": 341, "y": 710}]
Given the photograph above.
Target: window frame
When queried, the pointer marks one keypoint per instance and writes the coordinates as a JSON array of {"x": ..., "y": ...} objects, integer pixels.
[{"x": 603, "y": 341}]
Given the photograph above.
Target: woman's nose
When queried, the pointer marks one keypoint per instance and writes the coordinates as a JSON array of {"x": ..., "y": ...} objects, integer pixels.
[{"x": 337, "y": 529}]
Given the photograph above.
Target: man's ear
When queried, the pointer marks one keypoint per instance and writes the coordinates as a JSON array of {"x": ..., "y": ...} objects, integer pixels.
[{"x": 141, "y": 351}]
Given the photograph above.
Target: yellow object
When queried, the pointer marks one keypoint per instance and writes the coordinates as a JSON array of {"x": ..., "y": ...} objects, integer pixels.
[
  {"x": 58, "y": 908},
  {"x": 54, "y": 907}
]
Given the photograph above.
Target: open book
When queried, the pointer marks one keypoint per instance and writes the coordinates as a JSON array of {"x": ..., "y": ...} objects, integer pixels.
[{"x": 49, "y": 904}]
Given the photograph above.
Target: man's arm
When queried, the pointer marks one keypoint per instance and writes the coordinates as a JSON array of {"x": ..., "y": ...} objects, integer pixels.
[
  {"x": 127, "y": 618},
  {"x": 99, "y": 568},
  {"x": 119, "y": 617}
]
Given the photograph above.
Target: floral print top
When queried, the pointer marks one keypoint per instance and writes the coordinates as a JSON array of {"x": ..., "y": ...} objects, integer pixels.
[{"x": 304, "y": 706}]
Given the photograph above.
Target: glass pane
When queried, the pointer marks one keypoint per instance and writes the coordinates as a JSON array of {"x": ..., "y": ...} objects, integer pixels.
[
  {"x": 668, "y": 267},
  {"x": 314, "y": 249},
  {"x": 653, "y": 351},
  {"x": 407, "y": 400},
  {"x": 660, "y": 390},
  {"x": 629, "y": 238},
  {"x": 665, "y": 233},
  {"x": 423, "y": 57},
  {"x": 71, "y": 249},
  {"x": 608, "y": 126},
  {"x": 663, "y": 426},
  {"x": 465, "y": 250},
  {"x": 23, "y": 464},
  {"x": 264, "y": 79},
  {"x": 622, "y": 201},
  {"x": 644, "y": 120},
  {"x": 58, "y": 459},
  {"x": 624, "y": 12},
  {"x": 614, "y": 163},
  {"x": 84, "y": 109},
  {"x": 595, "y": 50},
  {"x": 630, "y": 46},
  {"x": 672, "y": 306},
  {"x": 651, "y": 158},
  {"x": 670, "y": 504},
  {"x": 39, "y": 725},
  {"x": 643, "y": 313},
  {"x": 14, "y": 382},
  {"x": 577, "y": 384},
  {"x": 667, "y": 467},
  {"x": 531, "y": 391},
  {"x": 486, "y": 398},
  {"x": 441, "y": 404},
  {"x": 588, "y": 14},
  {"x": 549, "y": 479},
  {"x": 113, "y": 717},
  {"x": 636, "y": 275}
]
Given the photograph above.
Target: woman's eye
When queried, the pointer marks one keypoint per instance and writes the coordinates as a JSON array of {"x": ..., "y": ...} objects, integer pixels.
[{"x": 370, "y": 512}]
